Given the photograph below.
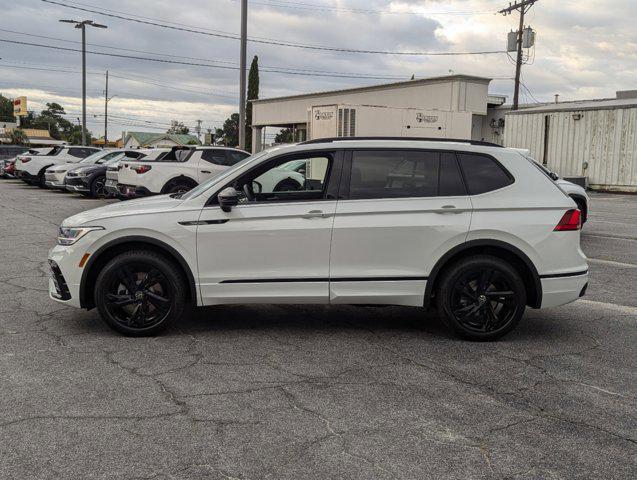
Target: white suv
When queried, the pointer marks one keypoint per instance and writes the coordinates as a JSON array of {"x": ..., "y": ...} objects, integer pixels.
[
  {"x": 32, "y": 168},
  {"x": 178, "y": 171},
  {"x": 111, "y": 186},
  {"x": 464, "y": 226}
]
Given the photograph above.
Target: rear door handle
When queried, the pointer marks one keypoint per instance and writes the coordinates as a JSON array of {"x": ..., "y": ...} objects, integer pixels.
[
  {"x": 314, "y": 214},
  {"x": 206, "y": 171}
]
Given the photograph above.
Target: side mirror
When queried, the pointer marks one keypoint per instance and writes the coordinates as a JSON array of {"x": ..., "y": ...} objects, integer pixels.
[{"x": 228, "y": 198}]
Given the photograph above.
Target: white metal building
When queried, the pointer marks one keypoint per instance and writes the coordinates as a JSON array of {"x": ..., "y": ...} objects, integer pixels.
[
  {"x": 596, "y": 139},
  {"x": 453, "y": 106}
]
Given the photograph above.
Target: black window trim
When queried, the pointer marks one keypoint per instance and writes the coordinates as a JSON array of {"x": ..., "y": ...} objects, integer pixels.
[
  {"x": 334, "y": 178},
  {"x": 344, "y": 192}
]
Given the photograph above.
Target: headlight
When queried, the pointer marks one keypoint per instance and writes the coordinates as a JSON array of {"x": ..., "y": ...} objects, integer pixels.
[
  {"x": 82, "y": 174},
  {"x": 70, "y": 235}
]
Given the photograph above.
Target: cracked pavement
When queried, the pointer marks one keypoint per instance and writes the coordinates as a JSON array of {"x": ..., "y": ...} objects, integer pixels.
[{"x": 316, "y": 392}]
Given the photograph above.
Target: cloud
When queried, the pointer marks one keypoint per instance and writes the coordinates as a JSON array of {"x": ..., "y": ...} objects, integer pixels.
[{"x": 584, "y": 49}]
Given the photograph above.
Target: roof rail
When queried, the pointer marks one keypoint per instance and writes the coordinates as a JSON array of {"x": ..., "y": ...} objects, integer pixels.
[{"x": 406, "y": 139}]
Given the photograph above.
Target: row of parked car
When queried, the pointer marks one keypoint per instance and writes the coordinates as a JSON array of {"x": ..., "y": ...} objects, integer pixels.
[{"x": 121, "y": 173}]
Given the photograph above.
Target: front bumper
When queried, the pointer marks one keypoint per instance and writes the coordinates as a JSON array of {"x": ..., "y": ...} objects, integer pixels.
[
  {"x": 64, "y": 283},
  {"x": 561, "y": 290},
  {"x": 76, "y": 184},
  {"x": 54, "y": 180},
  {"x": 110, "y": 187}
]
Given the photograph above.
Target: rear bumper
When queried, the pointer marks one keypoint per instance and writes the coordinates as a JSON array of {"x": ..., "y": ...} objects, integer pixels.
[
  {"x": 131, "y": 191},
  {"x": 560, "y": 290},
  {"x": 26, "y": 176}
]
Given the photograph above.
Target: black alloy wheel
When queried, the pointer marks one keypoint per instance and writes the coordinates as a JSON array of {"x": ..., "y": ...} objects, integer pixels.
[
  {"x": 97, "y": 187},
  {"x": 482, "y": 298},
  {"x": 140, "y": 293},
  {"x": 178, "y": 188}
]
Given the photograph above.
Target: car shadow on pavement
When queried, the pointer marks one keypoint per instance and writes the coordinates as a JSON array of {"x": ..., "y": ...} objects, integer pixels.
[{"x": 312, "y": 317}]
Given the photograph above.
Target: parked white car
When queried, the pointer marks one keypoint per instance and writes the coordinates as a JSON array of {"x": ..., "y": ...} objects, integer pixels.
[
  {"x": 576, "y": 192},
  {"x": 54, "y": 176},
  {"x": 178, "y": 171},
  {"x": 32, "y": 168},
  {"x": 112, "y": 171},
  {"x": 465, "y": 226},
  {"x": 8, "y": 159}
]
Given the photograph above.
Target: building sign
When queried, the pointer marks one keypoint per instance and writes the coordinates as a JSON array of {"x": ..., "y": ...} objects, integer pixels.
[
  {"x": 422, "y": 118},
  {"x": 20, "y": 106},
  {"x": 318, "y": 115}
]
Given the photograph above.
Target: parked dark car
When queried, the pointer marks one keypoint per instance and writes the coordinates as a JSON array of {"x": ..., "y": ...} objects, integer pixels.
[{"x": 89, "y": 179}]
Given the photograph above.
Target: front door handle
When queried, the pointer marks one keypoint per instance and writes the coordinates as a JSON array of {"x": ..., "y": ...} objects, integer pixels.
[
  {"x": 447, "y": 209},
  {"x": 206, "y": 171},
  {"x": 314, "y": 214}
]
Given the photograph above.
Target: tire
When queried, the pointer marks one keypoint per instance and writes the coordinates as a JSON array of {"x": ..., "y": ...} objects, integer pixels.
[
  {"x": 41, "y": 181},
  {"x": 287, "y": 185},
  {"x": 481, "y": 298},
  {"x": 133, "y": 308},
  {"x": 97, "y": 187},
  {"x": 178, "y": 186}
]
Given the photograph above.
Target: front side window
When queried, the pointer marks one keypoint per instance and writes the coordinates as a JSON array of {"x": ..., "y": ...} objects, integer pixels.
[
  {"x": 234, "y": 157},
  {"x": 482, "y": 173},
  {"x": 277, "y": 181},
  {"x": 81, "y": 152}
]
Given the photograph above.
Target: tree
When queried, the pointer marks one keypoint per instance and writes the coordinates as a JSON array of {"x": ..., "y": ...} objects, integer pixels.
[
  {"x": 253, "y": 94},
  {"x": 218, "y": 136},
  {"x": 286, "y": 135},
  {"x": 177, "y": 128},
  {"x": 230, "y": 131},
  {"x": 18, "y": 137},
  {"x": 6, "y": 109},
  {"x": 75, "y": 136}
]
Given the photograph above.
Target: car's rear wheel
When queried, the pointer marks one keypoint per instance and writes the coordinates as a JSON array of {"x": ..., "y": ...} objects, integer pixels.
[
  {"x": 140, "y": 293},
  {"x": 287, "y": 185},
  {"x": 97, "y": 187},
  {"x": 481, "y": 298}
]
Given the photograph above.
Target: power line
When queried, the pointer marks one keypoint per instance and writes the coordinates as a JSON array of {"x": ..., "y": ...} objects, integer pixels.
[
  {"x": 265, "y": 68},
  {"x": 194, "y": 64},
  {"x": 269, "y": 42},
  {"x": 327, "y": 8}
]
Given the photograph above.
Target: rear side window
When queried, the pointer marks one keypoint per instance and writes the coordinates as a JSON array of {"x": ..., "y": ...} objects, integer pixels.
[
  {"x": 235, "y": 157},
  {"x": 394, "y": 174},
  {"x": 482, "y": 173},
  {"x": 216, "y": 157}
]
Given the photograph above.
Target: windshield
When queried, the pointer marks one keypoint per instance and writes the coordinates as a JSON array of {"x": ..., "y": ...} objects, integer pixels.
[
  {"x": 198, "y": 190},
  {"x": 92, "y": 158}
]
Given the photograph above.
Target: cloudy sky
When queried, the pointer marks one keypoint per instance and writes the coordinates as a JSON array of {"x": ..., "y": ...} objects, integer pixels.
[{"x": 585, "y": 49}]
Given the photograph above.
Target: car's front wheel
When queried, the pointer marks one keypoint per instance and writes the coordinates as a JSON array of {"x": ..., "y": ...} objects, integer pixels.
[
  {"x": 481, "y": 298},
  {"x": 140, "y": 293},
  {"x": 97, "y": 187}
]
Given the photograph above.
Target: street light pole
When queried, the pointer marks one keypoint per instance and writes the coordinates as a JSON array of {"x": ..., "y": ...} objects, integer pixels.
[
  {"x": 82, "y": 25},
  {"x": 242, "y": 77}
]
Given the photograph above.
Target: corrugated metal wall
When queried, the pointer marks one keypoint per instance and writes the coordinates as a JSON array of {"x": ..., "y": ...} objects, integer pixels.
[{"x": 605, "y": 139}]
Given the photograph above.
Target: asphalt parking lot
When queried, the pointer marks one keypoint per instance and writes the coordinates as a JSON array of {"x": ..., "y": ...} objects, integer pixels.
[{"x": 271, "y": 392}]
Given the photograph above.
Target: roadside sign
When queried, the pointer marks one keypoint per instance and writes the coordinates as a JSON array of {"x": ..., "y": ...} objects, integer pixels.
[{"x": 20, "y": 106}]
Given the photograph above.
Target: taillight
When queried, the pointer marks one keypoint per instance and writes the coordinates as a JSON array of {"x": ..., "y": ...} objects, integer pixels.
[
  {"x": 25, "y": 159},
  {"x": 141, "y": 168},
  {"x": 571, "y": 220}
]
